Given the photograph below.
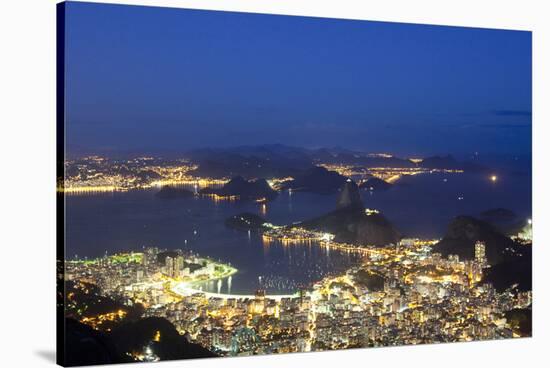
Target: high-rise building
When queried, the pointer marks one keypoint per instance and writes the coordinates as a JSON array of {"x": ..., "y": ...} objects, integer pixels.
[
  {"x": 169, "y": 266},
  {"x": 260, "y": 294},
  {"x": 178, "y": 266},
  {"x": 479, "y": 252}
]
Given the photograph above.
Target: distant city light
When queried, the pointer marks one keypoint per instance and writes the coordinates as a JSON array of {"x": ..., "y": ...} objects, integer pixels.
[
  {"x": 530, "y": 222},
  {"x": 494, "y": 178},
  {"x": 327, "y": 237}
]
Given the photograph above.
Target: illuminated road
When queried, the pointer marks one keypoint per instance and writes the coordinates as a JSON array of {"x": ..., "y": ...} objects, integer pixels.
[{"x": 184, "y": 289}]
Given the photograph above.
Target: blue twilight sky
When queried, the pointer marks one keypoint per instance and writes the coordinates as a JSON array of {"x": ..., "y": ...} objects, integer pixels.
[{"x": 161, "y": 79}]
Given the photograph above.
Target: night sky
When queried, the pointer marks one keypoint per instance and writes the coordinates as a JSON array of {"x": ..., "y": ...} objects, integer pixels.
[{"x": 160, "y": 79}]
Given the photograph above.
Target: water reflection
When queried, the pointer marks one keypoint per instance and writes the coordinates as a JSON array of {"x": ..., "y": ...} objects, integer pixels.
[{"x": 418, "y": 206}]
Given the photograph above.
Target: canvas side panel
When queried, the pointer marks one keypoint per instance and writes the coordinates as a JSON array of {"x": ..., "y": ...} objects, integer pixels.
[{"x": 60, "y": 205}]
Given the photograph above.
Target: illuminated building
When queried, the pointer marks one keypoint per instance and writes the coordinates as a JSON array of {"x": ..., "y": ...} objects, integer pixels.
[
  {"x": 479, "y": 252},
  {"x": 178, "y": 266},
  {"x": 170, "y": 266},
  {"x": 422, "y": 298}
]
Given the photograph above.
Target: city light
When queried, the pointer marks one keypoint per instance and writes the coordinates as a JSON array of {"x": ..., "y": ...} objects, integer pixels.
[
  {"x": 381, "y": 300},
  {"x": 415, "y": 286}
]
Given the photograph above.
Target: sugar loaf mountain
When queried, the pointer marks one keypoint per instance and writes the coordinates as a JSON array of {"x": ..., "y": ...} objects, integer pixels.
[{"x": 351, "y": 223}]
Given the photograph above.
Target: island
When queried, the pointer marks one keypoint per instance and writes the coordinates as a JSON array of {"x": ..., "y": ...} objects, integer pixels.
[
  {"x": 352, "y": 223},
  {"x": 171, "y": 192},
  {"x": 246, "y": 221},
  {"x": 316, "y": 180},
  {"x": 239, "y": 188},
  {"x": 375, "y": 184}
]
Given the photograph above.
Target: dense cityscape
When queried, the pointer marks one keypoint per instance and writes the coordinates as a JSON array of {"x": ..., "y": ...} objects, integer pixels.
[
  {"x": 99, "y": 174},
  {"x": 234, "y": 184},
  {"x": 402, "y": 292}
]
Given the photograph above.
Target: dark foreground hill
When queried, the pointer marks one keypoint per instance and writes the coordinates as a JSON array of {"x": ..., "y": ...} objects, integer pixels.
[
  {"x": 163, "y": 338},
  {"x": 86, "y": 346},
  {"x": 516, "y": 272},
  {"x": 521, "y": 321},
  {"x": 117, "y": 340}
]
